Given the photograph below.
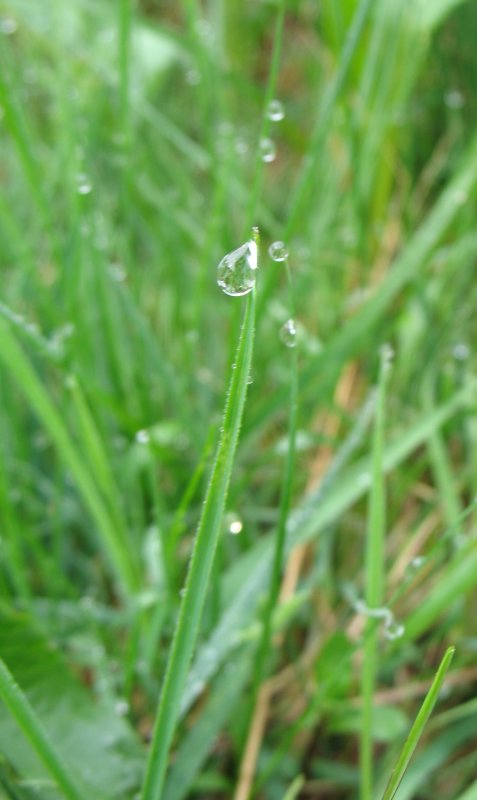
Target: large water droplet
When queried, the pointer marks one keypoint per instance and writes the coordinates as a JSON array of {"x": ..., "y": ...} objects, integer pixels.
[
  {"x": 268, "y": 150},
  {"x": 142, "y": 437},
  {"x": 278, "y": 251},
  {"x": 237, "y": 270},
  {"x": 461, "y": 351},
  {"x": 288, "y": 333},
  {"x": 275, "y": 111}
]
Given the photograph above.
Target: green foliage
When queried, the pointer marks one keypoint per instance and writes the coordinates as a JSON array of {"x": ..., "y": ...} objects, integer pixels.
[{"x": 137, "y": 633}]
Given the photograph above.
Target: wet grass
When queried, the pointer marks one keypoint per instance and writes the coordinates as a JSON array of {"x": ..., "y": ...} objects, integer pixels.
[{"x": 251, "y": 602}]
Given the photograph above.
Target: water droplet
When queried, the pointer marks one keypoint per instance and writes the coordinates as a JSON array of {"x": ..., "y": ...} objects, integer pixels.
[
  {"x": 461, "y": 351},
  {"x": 233, "y": 523},
  {"x": 182, "y": 592},
  {"x": 288, "y": 333},
  {"x": 8, "y": 26},
  {"x": 84, "y": 184},
  {"x": 278, "y": 251},
  {"x": 250, "y": 378},
  {"x": 121, "y": 707},
  {"x": 415, "y": 565},
  {"x": 393, "y": 629},
  {"x": 275, "y": 111},
  {"x": 380, "y": 612},
  {"x": 387, "y": 356},
  {"x": 236, "y": 272},
  {"x": 142, "y": 437},
  {"x": 268, "y": 150},
  {"x": 241, "y": 146},
  {"x": 454, "y": 99},
  {"x": 117, "y": 272},
  {"x": 192, "y": 77}
]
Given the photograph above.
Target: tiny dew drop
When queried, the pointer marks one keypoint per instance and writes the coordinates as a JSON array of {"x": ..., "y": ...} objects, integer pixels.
[
  {"x": 182, "y": 592},
  {"x": 275, "y": 111},
  {"x": 84, "y": 185},
  {"x": 8, "y": 26},
  {"x": 233, "y": 523},
  {"x": 142, "y": 437},
  {"x": 121, "y": 708},
  {"x": 278, "y": 251},
  {"x": 393, "y": 629},
  {"x": 268, "y": 150},
  {"x": 236, "y": 273},
  {"x": 288, "y": 333}
]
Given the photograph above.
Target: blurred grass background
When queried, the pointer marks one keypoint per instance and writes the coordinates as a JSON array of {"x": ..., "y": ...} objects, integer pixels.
[{"x": 130, "y": 162}]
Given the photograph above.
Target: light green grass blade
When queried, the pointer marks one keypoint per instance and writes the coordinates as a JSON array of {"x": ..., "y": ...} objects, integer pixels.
[
  {"x": 19, "y": 707},
  {"x": 198, "y": 576},
  {"x": 418, "y": 727},
  {"x": 374, "y": 578}
]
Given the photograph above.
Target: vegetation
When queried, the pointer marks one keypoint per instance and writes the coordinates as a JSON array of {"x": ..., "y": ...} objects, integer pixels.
[{"x": 238, "y": 532}]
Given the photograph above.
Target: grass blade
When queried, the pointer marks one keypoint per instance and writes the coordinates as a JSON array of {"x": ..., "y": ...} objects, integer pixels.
[
  {"x": 19, "y": 707},
  {"x": 374, "y": 577},
  {"x": 418, "y": 727},
  {"x": 201, "y": 562}
]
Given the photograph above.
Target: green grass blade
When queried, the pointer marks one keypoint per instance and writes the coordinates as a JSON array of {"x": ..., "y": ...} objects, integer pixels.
[
  {"x": 418, "y": 727},
  {"x": 115, "y": 545},
  {"x": 374, "y": 577},
  {"x": 197, "y": 581},
  {"x": 20, "y": 709}
]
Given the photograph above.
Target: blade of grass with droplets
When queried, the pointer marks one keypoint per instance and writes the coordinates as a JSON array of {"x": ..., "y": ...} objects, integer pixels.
[
  {"x": 200, "y": 567},
  {"x": 20, "y": 709},
  {"x": 418, "y": 727},
  {"x": 374, "y": 577}
]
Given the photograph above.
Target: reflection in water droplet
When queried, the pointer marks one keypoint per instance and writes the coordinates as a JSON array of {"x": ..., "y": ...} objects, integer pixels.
[
  {"x": 142, "y": 437},
  {"x": 393, "y": 629},
  {"x": 278, "y": 251},
  {"x": 275, "y": 111},
  {"x": 84, "y": 184},
  {"x": 237, "y": 270},
  {"x": 268, "y": 150},
  {"x": 288, "y": 333}
]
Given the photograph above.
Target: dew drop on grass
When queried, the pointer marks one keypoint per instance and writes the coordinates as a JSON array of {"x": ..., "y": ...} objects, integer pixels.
[
  {"x": 121, "y": 708},
  {"x": 454, "y": 99},
  {"x": 8, "y": 26},
  {"x": 236, "y": 273},
  {"x": 461, "y": 351},
  {"x": 415, "y": 565},
  {"x": 233, "y": 523},
  {"x": 288, "y": 333},
  {"x": 84, "y": 185},
  {"x": 267, "y": 149},
  {"x": 275, "y": 111},
  {"x": 142, "y": 437},
  {"x": 278, "y": 251},
  {"x": 182, "y": 592},
  {"x": 393, "y": 629}
]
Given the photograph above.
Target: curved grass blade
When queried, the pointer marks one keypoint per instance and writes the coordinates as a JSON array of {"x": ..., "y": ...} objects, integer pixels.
[
  {"x": 418, "y": 727},
  {"x": 20, "y": 709},
  {"x": 197, "y": 581}
]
